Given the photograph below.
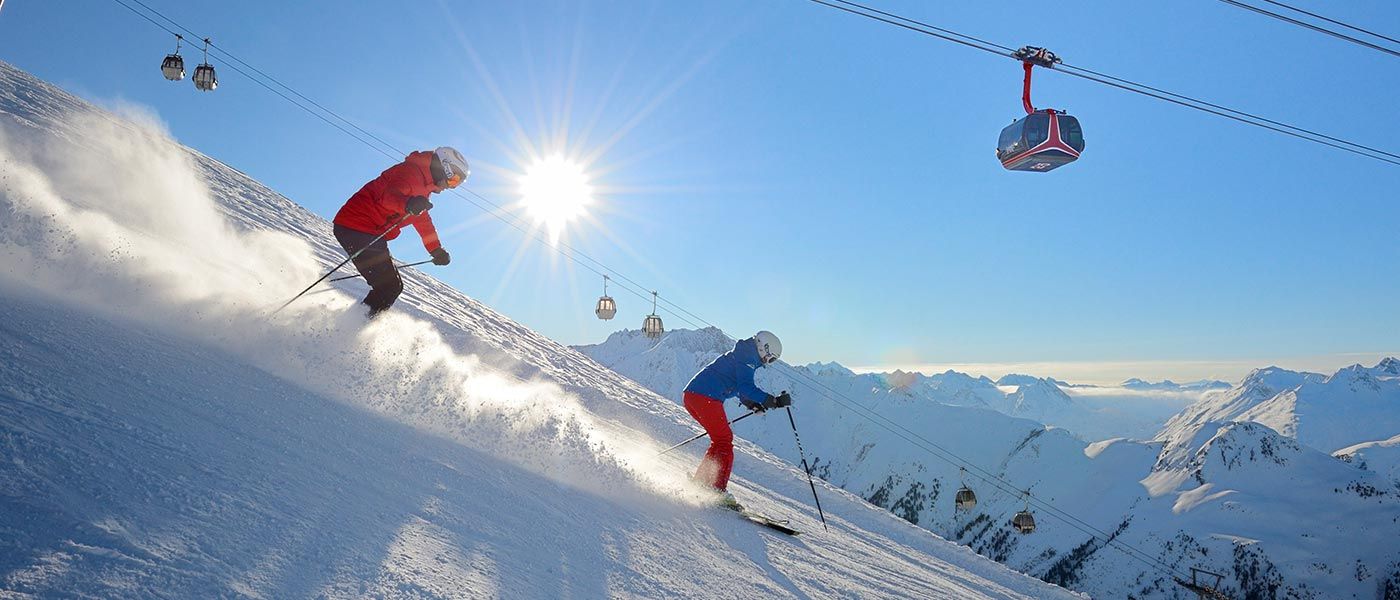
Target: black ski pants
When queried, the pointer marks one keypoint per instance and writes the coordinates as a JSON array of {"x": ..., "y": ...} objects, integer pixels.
[{"x": 375, "y": 264}]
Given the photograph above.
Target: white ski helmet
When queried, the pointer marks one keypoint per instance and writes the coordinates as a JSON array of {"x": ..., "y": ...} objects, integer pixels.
[
  {"x": 769, "y": 348},
  {"x": 454, "y": 166}
]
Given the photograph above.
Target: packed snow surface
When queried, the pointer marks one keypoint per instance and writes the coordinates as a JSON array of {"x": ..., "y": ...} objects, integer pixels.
[{"x": 163, "y": 434}]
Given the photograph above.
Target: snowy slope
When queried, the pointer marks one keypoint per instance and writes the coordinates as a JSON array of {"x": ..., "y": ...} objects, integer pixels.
[
  {"x": 1381, "y": 457},
  {"x": 1238, "y": 499},
  {"x": 163, "y": 435}
]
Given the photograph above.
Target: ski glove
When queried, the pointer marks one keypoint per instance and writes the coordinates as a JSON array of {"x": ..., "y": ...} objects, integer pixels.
[
  {"x": 752, "y": 406},
  {"x": 418, "y": 205},
  {"x": 441, "y": 257},
  {"x": 778, "y": 401}
]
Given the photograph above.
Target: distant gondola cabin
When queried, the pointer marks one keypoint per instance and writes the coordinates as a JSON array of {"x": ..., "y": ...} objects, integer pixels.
[
  {"x": 1024, "y": 522},
  {"x": 965, "y": 499},
  {"x": 173, "y": 67},
  {"x": 204, "y": 78},
  {"x": 606, "y": 309},
  {"x": 651, "y": 326}
]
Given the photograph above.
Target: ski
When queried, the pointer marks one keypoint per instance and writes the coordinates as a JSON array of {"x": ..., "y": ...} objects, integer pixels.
[{"x": 773, "y": 524}]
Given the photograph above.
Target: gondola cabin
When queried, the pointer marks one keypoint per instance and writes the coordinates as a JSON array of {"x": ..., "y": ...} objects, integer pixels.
[
  {"x": 965, "y": 499},
  {"x": 1024, "y": 522},
  {"x": 173, "y": 67},
  {"x": 606, "y": 309},
  {"x": 1041, "y": 141},
  {"x": 651, "y": 326},
  {"x": 204, "y": 78}
]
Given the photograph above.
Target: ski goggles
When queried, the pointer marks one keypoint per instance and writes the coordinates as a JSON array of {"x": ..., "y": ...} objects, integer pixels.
[{"x": 453, "y": 178}]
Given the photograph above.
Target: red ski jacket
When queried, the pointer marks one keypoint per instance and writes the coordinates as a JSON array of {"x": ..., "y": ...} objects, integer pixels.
[{"x": 379, "y": 204}]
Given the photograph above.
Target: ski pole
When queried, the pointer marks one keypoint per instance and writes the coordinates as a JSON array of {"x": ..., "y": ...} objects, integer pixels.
[
  {"x": 342, "y": 263},
  {"x": 698, "y": 436},
  {"x": 807, "y": 469},
  {"x": 344, "y": 277}
]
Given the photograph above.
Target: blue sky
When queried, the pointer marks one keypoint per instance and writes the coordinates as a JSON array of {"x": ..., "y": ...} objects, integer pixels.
[{"x": 785, "y": 166}]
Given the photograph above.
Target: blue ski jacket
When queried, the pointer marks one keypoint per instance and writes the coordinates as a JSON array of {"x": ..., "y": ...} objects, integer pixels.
[{"x": 730, "y": 375}]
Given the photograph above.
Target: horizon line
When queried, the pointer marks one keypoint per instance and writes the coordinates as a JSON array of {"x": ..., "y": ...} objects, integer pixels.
[{"x": 1115, "y": 372}]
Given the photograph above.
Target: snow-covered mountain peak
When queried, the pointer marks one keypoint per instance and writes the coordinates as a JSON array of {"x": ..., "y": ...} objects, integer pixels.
[
  {"x": 1014, "y": 379},
  {"x": 1043, "y": 401},
  {"x": 1169, "y": 385},
  {"x": 1350, "y": 406},
  {"x": 903, "y": 380},
  {"x": 1268, "y": 381},
  {"x": 1356, "y": 378},
  {"x": 828, "y": 368},
  {"x": 1237, "y": 444},
  {"x": 1041, "y": 393},
  {"x": 1389, "y": 366},
  {"x": 956, "y": 380}
]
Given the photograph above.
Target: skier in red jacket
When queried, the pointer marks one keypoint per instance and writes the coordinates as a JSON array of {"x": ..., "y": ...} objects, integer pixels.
[{"x": 398, "y": 197}]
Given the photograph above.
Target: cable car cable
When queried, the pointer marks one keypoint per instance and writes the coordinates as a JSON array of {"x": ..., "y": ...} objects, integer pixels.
[
  {"x": 1319, "y": 29},
  {"x": 898, "y": 430},
  {"x": 233, "y": 58},
  {"x": 1333, "y": 21},
  {"x": 913, "y": 25},
  {"x": 1068, "y": 69},
  {"x": 1124, "y": 84},
  {"x": 1359, "y": 150}
]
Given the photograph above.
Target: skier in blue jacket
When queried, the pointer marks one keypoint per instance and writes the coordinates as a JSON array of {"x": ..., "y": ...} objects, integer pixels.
[{"x": 730, "y": 375}]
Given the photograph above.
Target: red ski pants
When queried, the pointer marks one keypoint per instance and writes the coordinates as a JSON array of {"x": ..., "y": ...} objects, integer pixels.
[{"x": 719, "y": 459}]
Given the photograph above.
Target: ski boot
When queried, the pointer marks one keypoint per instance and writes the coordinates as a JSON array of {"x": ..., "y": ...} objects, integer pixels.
[{"x": 726, "y": 500}]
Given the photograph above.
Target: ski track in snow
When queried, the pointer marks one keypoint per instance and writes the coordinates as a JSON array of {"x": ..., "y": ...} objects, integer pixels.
[{"x": 162, "y": 436}]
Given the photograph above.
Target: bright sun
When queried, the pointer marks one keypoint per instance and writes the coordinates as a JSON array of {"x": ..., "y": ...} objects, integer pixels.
[{"x": 554, "y": 191}]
